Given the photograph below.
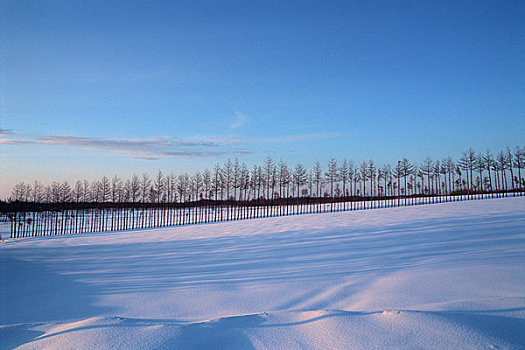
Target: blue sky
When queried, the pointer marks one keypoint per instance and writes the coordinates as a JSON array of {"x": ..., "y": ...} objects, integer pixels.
[{"x": 108, "y": 87}]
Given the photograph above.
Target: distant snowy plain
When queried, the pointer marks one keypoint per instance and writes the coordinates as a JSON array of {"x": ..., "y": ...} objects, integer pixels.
[{"x": 443, "y": 276}]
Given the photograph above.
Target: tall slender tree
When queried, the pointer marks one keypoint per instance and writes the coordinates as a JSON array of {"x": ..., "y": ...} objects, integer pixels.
[
  {"x": 387, "y": 174},
  {"x": 519, "y": 160},
  {"x": 331, "y": 175},
  {"x": 236, "y": 177},
  {"x": 159, "y": 186},
  {"x": 407, "y": 170},
  {"x": 134, "y": 188},
  {"x": 510, "y": 165},
  {"x": 145, "y": 183},
  {"x": 427, "y": 167},
  {"x": 343, "y": 175},
  {"x": 449, "y": 166},
  {"x": 502, "y": 163},
  {"x": 363, "y": 172},
  {"x": 299, "y": 177},
  {"x": 398, "y": 174},
  {"x": 467, "y": 162},
  {"x": 217, "y": 175},
  {"x": 488, "y": 162},
  {"x": 116, "y": 189},
  {"x": 371, "y": 173},
  {"x": 268, "y": 171},
  {"x": 37, "y": 191},
  {"x": 318, "y": 178}
]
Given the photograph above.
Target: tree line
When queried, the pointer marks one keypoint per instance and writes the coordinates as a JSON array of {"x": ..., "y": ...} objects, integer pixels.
[
  {"x": 232, "y": 191},
  {"x": 234, "y": 181}
]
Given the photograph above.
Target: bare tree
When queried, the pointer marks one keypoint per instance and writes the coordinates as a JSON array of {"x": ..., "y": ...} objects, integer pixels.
[
  {"x": 427, "y": 167},
  {"x": 206, "y": 182},
  {"x": 197, "y": 183},
  {"x": 468, "y": 163},
  {"x": 332, "y": 174},
  {"x": 171, "y": 187},
  {"x": 299, "y": 177},
  {"x": 398, "y": 174},
  {"x": 488, "y": 163},
  {"x": 273, "y": 181},
  {"x": 443, "y": 171},
  {"x": 20, "y": 192},
  {"x": 116, "y": 189},
  {"x": 363, "y": 173},
  {"x": 37, "y": 192},
  {"x": 217, "y": 176},
  {"x": 134, "y": 188},
  {"x": 86, "y": 191},
  {"x": 407, "y": 170},
  {"x": 436, "y": 173},
  {"x": 449, "y": 165},
  {"x": 519, "y": 160},
  {"x": 371, "y": 173},
  {"x": 244, "y": 181},
  {"x": 351, "y": 177},
  {"x": 159, "y": 186},
  {"x": 480, "y": 167},
  {"x": 387, "y": 175},
  {"x": 310, "y": 183},
  {"x": 236, "y": 180},
  {"x": 145, "y": 184},
  {"x": 343, "y": 175},
  {"x": 55, "y": 192},
  {"x": 227, "y": 172},
  {"x": 502, "y": 164},
  {"x": 510, "y": 165},
  {"x": 459, "y": 182},
  {"x": 318, "y": 178},
  {"x": 254, "y": 180},
  {"x": 105, "y": 188},
  {"x": 268, "y": 171},
  {"x": 380, "y": 176},
  {"x": 77, "y": 192},
  {"x": 260, "y": 181},
  {"x": 183, "y": 186}
]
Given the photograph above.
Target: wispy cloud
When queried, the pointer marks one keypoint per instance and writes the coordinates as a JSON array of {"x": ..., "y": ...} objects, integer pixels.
[
  {"x": 6, "y": 132},
  {"x": 152, "y": 148},
  {"x": 160, "y": 147},
  {"x": 4, "y": 141},
  {"x": 234, "y": 140},
  {"x": 131, "y": 145},
  {"x": 239, "y": 121},
  {"x": 148, "y": 149}
]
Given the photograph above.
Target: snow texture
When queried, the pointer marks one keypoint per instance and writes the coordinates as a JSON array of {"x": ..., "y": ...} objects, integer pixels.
[{"x": 445, "y": 276}]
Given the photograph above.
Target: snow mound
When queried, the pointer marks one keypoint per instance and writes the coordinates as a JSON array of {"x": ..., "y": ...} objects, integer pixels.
[{"x": 292, "y": 330}]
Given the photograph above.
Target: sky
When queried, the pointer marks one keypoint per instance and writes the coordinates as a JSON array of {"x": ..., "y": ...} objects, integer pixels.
[{"x": 93, "y": 88}]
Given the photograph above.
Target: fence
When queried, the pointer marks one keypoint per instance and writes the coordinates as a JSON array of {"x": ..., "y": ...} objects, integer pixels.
[{"x": 36, "y": 219}]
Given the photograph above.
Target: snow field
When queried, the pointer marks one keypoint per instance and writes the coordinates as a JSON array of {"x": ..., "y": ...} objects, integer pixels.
[{"x": 445, "y": 276}]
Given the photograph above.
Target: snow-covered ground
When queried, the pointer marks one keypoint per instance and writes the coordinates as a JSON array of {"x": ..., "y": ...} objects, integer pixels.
[{"x": 444, "y": 276}]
